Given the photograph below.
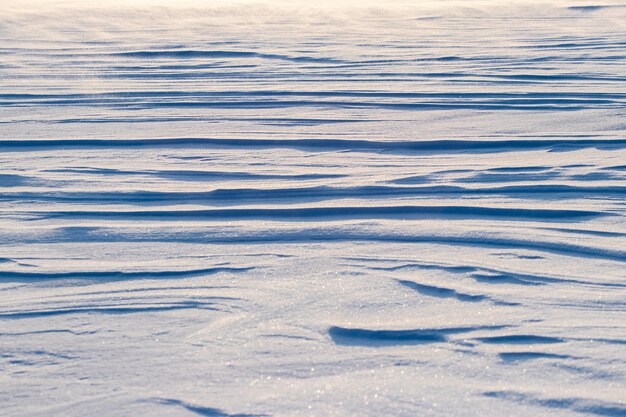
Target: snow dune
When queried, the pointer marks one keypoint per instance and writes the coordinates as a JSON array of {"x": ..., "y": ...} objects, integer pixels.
[{"x": 237, "y": 208}]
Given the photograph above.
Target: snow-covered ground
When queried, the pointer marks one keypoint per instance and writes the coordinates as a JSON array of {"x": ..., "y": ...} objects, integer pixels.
[{"x": 237, "y": 208}]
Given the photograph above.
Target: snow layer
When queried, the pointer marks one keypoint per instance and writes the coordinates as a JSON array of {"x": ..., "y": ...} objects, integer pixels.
[{"x": 340, "y": 208}]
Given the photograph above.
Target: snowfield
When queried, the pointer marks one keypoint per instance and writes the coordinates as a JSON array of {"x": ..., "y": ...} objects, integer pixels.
[{"x": 238, "y": 208}]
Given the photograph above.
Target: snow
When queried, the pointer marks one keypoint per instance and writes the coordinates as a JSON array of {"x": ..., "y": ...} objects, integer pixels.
[{"x": 238, "y": 208}]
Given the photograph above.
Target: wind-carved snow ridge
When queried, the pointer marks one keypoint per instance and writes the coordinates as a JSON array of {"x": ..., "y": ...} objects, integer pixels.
[{"x": 238, "y": 208}]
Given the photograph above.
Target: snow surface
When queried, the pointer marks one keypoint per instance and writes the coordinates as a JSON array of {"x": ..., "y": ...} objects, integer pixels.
[{"x": 232, "y": 208}]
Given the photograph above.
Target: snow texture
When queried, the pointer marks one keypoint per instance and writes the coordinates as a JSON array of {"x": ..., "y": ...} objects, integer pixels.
[{"x": 238, "y": 208}]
